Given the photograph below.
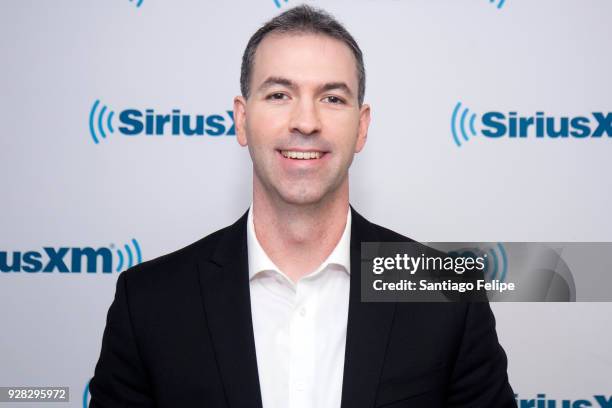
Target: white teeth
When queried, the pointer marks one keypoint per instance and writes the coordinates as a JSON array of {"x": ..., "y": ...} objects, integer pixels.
[{"x": 301, "y": 155}]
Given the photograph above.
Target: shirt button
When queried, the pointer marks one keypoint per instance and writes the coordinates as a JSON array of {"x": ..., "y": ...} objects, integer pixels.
[{"x": 303, "y": 311}]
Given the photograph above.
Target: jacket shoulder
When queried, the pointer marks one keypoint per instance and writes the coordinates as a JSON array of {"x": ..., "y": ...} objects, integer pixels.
[
  {"x": 388, "y": 235},
  {"x": 384, "y": 234},
  {"x": 178, "y": 261}
]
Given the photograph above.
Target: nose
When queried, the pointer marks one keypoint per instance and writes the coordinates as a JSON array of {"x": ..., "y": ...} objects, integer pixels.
[{"x": 305, "y": 118}]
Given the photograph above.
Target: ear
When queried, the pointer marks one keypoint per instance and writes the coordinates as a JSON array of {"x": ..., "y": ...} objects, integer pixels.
[
  {"x": 240, "y": 120},
  {"x": 364, "y": 124}
]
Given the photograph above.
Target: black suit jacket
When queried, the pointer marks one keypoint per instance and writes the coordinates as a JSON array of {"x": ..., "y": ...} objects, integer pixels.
[{"x": 179, "y": 334}]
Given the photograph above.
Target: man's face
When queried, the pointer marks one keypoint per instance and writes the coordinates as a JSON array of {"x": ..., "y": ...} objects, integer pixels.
[{"x": 302, "y": 122}]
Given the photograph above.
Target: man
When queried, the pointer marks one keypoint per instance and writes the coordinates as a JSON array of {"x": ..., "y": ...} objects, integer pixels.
[{"x": 267, "y": 312}]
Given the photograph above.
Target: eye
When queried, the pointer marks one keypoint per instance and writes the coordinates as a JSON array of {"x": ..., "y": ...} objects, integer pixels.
[
  {"x": 277, "y": 96},
  {"x": 334, "y": 100}
]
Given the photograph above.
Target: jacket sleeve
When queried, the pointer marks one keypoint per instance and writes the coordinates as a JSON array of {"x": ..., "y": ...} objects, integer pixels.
[
  {"x": 479, "y": 378},
  {"x": 120, "y": 378}
]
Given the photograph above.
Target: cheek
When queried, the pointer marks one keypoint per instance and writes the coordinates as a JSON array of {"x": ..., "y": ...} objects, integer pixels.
[
  {"x": 264, "y": 124},
  {"x": 342, "y": 131}
]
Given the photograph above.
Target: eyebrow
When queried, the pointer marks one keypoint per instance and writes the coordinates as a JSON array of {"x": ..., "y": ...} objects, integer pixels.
[{"x": 275, "y": 80}]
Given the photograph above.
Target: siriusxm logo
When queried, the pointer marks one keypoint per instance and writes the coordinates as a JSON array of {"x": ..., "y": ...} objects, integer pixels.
[
  {"x": 72, "y": 259},
  {"x": 499, "y": 3},
  {"x": 541, "y": 401},
  {"x": 136, "y": 122},
  {"x": 495, "y": 260},
  {"x": 86, "y": 396},
  {"x": 495, "y": 125}
]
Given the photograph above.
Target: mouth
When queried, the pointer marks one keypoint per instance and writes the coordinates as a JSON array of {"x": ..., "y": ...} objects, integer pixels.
[{"x": 302, "y": 154}]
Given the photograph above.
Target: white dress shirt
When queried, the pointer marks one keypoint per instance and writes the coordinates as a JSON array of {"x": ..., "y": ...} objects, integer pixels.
[{"x": 300, "y": 328}]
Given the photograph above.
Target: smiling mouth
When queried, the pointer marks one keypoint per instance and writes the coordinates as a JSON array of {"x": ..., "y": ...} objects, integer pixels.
[{"x": 302, "y": 155}]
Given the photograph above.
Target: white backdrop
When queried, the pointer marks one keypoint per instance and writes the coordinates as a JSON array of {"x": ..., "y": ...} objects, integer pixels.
[{"x": 60, "y": 189}]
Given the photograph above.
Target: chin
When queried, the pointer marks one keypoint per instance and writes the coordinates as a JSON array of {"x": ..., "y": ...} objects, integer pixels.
[{"x": 302, "y": 196}]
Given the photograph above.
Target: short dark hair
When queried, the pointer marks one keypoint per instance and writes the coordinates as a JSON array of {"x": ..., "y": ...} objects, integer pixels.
[{"x": 301, "y": 19}]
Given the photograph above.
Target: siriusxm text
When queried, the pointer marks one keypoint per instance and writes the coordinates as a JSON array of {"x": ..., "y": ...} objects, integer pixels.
[
  {"x": 498, "y": 124},
  {"x": 541, "y": 401},
  {"x": 134, "y": 122},
  {"x": 63, "y": 260}
]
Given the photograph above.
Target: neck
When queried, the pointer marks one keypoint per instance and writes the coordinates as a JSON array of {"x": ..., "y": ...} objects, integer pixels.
[{"x": 299, "y": 237}]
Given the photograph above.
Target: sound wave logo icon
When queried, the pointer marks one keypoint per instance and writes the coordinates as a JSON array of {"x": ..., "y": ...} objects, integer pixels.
[
  {"x": 86, "y": 396},
  {"x": 138, "y": 2},
  {"x": 494, "y": 257},
  {"x": 131, "y": 258},
  {"x": 500, "y": 3},
  {"x": 461, "y": 124},
  {"x": 277, "y": 3},
  {"x": 498, "y": 263},
  {"x": 98, "y": 120}
]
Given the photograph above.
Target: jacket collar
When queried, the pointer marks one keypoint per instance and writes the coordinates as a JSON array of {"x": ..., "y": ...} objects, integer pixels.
[{"x": 224, "y": 284}]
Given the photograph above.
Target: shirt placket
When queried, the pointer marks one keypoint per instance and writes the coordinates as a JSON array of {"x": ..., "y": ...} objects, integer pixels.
[{"x": 302, "y": 346}]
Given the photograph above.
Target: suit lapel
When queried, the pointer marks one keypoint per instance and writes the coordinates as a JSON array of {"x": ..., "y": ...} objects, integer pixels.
[
  {"x": 225, "y": 291},
  {"x": 224, "y": 283},
  {"x": 368, "y": 329}
]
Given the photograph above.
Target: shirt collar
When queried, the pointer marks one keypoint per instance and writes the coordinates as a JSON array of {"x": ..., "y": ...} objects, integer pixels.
[{"x": 259, "y": 260}]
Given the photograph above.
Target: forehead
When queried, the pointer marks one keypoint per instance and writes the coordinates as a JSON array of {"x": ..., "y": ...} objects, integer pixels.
[{"x": 304, "y": 58}]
